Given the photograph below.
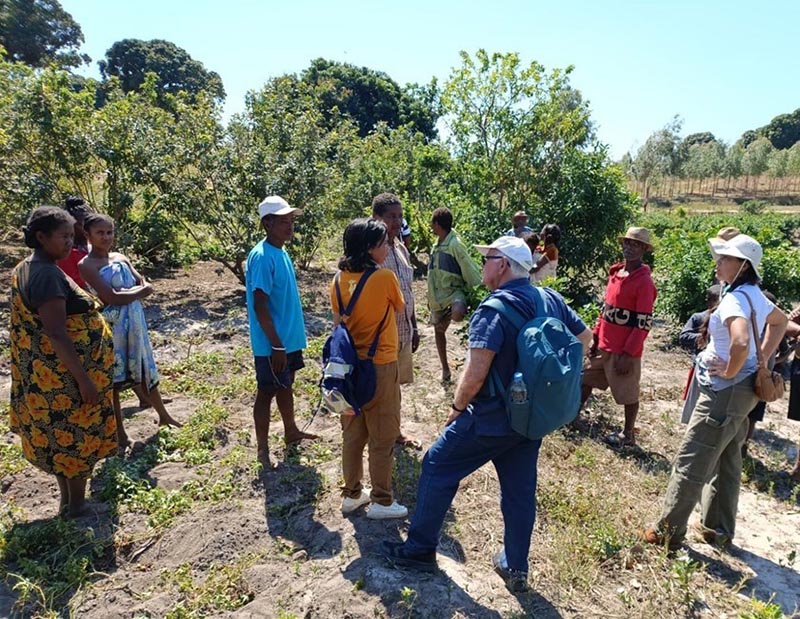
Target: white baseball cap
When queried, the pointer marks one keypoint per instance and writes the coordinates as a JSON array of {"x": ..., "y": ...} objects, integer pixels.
[
  {"x": 275, "y": 205},
  {"x": 512, "y": 248},
  {"x": 740, "y": 246}
]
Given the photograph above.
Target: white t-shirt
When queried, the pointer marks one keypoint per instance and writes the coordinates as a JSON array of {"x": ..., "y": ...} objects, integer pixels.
[{"x": 733, "y": 304}]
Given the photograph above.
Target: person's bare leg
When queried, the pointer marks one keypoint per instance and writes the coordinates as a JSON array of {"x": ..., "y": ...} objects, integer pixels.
[
  {"x": 291, "y": 433},
  {"x": 441, "y": 349},
  {"x": 144, "y": 397},
  {"x": 631, "y": 412},
  {"x": 122, "y": 437},
  {"x": 164, "y": 418},
  {"x": 77, "y": 495},
  {"x": 141, "y": 393},
  {"x": 586, "y": 391},
  {"x": 63, "y": 491},
  {"x": 261, "y": 419}
]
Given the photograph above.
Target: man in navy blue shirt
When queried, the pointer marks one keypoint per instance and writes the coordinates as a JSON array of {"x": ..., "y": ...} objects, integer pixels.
[{"x": 477, "y": 429}]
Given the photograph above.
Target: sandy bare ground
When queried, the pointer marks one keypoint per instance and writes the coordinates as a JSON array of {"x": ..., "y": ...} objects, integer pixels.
[{"x": 296, "y": 556}]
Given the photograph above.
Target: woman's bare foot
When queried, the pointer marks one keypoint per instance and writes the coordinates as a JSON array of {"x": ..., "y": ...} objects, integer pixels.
[
  {"x": 295, "y": 437},
  {"x": 167, "y": 420},
  {"x": 263, "y": 458},
  {"x": 86, "y": 508},
  {"x": 144, "y": 405},
  {"x": 123, "y": 442}
]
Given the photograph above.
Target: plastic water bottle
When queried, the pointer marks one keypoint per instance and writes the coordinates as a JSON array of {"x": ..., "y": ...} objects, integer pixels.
[{"x": 518, "y": 392}]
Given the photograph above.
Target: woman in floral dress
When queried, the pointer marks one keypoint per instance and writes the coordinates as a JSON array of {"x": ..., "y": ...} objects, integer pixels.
[{"x": 61, "y": 360}]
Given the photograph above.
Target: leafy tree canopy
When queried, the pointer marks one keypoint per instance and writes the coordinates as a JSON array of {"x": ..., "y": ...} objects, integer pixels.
[
  {"x": 698, "y": 138},
  {"x": 783, "y": 130},
  {"x": 40, "y": 32},
  {"x": 369, "y": 97},
  {"x": 130, "y": 60}
]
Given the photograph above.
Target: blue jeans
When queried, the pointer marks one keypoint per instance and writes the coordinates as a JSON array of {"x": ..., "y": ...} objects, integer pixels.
[{"x": 458, "y": 452}]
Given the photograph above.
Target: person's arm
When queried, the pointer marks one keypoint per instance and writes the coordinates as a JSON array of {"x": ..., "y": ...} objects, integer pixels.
[
  {"x": 264, "y": 316},
  {"x": 53, "y": 314},
  {"x": 107, "y": 294},
  {"x": 586, "y": 337},
  {"x": 691, "y": 332},
  {"x": 470, "y": 272},
  {"x": 475, "y": 372},
  {"x": 775, "y": 330},
  {"x": 792, "y": 329},
  {"x": 543, "y": 260},
  {"x": 414, "y": 333},
  {"x": 739, "y": 332},
  {"x": 137, "y": 276}
]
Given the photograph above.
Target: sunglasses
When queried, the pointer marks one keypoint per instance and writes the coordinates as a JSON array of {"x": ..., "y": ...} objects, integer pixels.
[{"x": 485, "y": 258}]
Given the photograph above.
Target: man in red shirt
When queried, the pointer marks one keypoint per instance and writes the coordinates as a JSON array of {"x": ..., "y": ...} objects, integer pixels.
[{"x": 616, "y": 355}]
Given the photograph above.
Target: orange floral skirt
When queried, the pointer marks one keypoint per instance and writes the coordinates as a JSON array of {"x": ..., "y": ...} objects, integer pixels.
[{"x": 60, "y": 434}]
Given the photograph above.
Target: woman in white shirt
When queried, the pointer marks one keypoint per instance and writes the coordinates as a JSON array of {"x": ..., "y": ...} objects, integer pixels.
[{"x": 708, "y": 465}]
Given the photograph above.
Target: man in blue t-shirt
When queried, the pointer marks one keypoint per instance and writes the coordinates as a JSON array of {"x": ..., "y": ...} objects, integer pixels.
[
  {"x": 277, "y": 329},
  {"x": 477, "y": 429}
]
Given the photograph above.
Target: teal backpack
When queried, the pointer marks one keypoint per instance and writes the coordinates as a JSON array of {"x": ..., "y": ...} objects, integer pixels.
[{"x": 550, "y": 359}]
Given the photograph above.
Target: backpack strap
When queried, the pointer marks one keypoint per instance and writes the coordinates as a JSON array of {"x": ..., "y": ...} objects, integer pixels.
[
  {"x": 356, "y": 293},
  {"x": 351, "y": 304},
  {"x": 374, "y": 346},
  {"x": 754, "y": 326}
]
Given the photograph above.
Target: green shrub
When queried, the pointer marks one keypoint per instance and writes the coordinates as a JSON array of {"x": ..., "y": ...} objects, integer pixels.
[
  {"x": 683, "y": 267},
  {"x": 753, "y": 207}
]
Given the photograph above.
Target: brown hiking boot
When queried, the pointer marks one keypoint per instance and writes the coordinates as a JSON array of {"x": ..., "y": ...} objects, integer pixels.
[
  {"x": 711, "y": 536},
  {"x": 651, "y": 536}
]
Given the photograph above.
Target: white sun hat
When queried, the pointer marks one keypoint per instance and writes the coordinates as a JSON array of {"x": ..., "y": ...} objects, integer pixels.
[{"x": 740, "y": 246}]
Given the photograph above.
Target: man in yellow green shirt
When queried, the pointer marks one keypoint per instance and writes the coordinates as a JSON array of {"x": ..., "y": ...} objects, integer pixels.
[{"x": 451, "y": 273}]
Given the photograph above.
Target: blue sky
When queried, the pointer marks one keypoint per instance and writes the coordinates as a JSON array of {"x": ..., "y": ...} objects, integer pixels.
[{"x": 723, "y": 66}]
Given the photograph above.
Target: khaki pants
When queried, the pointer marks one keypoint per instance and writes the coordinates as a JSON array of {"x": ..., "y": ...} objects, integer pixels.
[
  {"x": 377, "y": 427},
  {"x": 708, "y": 466},
  {"x": 405, "y": 364}
]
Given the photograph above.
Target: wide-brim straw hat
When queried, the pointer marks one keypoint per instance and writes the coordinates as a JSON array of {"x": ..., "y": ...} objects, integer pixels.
[{"x": 636, "y": 233}]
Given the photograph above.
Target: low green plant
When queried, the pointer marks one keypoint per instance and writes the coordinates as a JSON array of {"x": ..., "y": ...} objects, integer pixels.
[
  {"x": 683, "y": 571},
  {"x": 224, "y": 588},
  {"x": 45, "y": 562},
  {"x": 763, "y": 610}
]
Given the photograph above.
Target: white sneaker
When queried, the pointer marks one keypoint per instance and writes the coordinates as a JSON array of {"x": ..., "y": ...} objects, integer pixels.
[
  {"x": 383, "y": 512},
  {"x": 350, "y": 505}
]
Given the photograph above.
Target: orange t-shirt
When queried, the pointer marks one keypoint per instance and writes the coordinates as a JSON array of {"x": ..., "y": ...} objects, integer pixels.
[{"x": 381, "y": 291}]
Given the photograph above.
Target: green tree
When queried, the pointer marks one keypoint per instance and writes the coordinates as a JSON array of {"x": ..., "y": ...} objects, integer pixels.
[
  {"x": 698, "y": 138},
  {"x": 755, "y": 160},
  {"x": 522, "y": 138},
  {"x": 40, "y": 32},
  {"x": 45, "y": 149},
  {"x": 130, "y": 60},
  {"x": 369, "y": 97},
  {"x": 403, "y": 162},
  {"x": 783, "y": 131},
  {"x": 659, "y": 157}
]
